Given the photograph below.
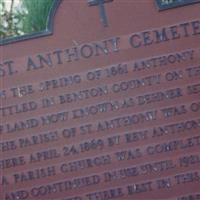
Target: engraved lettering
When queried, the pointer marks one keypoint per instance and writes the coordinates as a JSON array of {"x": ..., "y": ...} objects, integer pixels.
[
  {"x": 187, "y": 177},
  {"x": 105, "y": 195},
  {"x": 34, "y": 174},
  {"x": 22, "y": 90},
  {"x": 18, "y": 108},
  {"x": 173, "y": 111},
  {"x": 7, "y": 69},
  {"x": 44, "y": 155},
  {"x": 139, "y": 188},
  {"x": 12, "y": 162}
]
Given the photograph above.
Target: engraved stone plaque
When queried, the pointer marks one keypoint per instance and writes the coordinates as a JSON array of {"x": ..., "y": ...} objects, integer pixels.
[{"x": 103, "y": 105}]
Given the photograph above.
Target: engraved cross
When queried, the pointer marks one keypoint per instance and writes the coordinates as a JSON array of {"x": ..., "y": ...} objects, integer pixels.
[{"x": 102, "y": 11}]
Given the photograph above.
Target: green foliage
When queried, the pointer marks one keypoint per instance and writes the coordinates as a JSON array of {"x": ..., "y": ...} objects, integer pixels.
[
  {"x": 9, "y": 20},
  {"x": 36, "y": 18},
  {"x": 28, "y": 17}
]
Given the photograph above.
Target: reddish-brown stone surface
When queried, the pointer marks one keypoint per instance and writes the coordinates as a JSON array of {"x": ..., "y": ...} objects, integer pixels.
[{"x": 92, "y": 108}]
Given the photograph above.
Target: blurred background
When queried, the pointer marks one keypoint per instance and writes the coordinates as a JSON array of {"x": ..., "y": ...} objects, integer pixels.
[{"x": 20, "y": 17}]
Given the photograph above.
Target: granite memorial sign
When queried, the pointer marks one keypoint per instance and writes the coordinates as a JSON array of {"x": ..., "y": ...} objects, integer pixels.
[{"x": 103, "y": 105}]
